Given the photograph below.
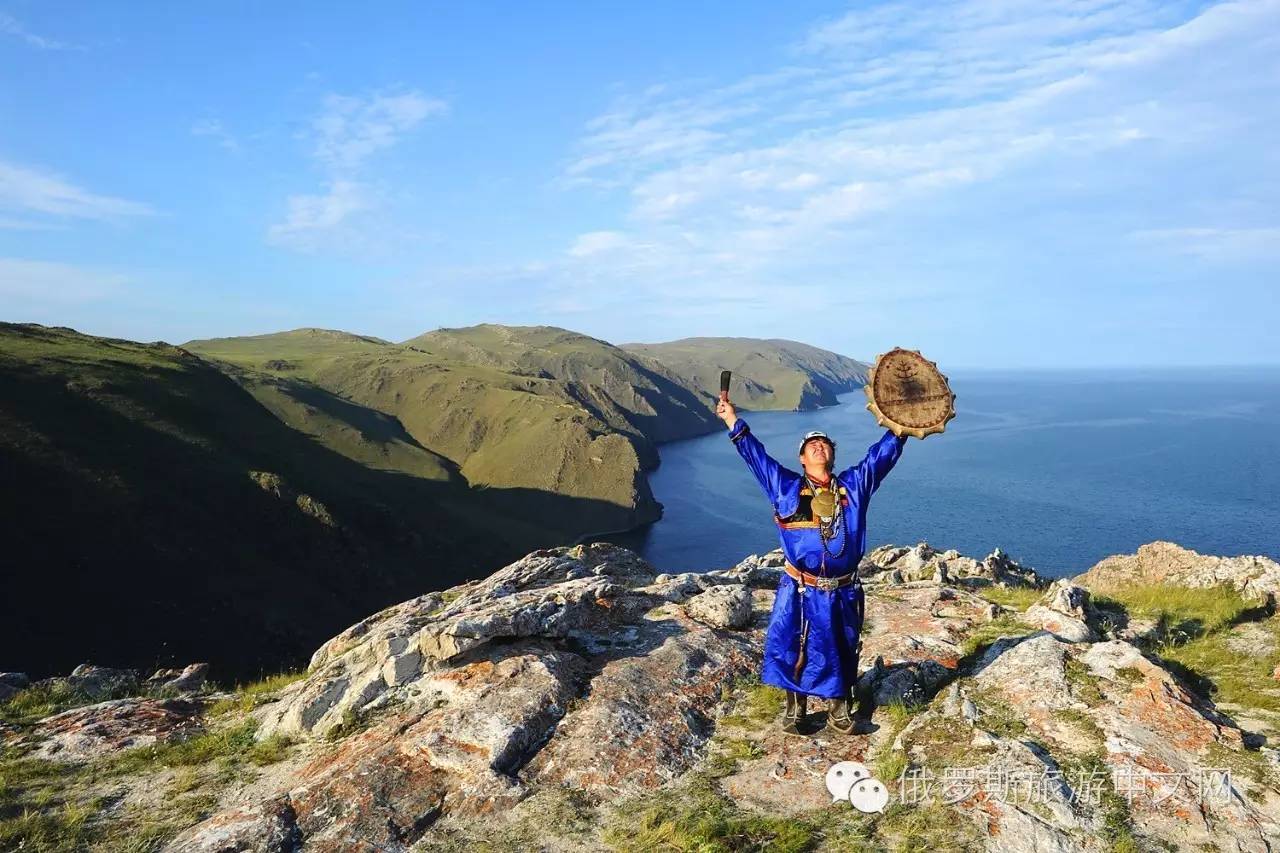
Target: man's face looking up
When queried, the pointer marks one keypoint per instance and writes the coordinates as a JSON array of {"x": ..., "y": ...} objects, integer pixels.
[{"x": 818, "y": 453}]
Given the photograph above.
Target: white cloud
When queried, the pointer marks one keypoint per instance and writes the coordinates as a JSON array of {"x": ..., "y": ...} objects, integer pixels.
[
  {"x": 899, "y": 106},
  {"x": 33, "y": 191},
  {"x": 311, "y": 217},
  {"x": 596, "y": 242},
  {"x": 348, "y": 134},
  {"x": 352, "y": 129},
  {"x": 12, "y": 27}
]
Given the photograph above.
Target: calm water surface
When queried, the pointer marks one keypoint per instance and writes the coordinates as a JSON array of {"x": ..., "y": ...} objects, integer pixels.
[{"x": 1060, "y": 469}]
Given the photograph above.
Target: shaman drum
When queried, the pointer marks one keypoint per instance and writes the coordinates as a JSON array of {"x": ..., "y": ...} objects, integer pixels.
[{"x": 908, "y": 395}]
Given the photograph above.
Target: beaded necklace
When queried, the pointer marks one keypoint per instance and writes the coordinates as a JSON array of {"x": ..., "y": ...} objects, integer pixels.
[{"x": 829, "y": 526}]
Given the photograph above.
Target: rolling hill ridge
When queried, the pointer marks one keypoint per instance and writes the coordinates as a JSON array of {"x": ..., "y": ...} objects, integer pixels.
[{"x": 285, "y": 482}]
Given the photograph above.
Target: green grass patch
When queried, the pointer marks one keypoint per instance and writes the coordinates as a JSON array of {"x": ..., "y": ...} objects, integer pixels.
[
  {"x": 695, "y": 817},
  {"x": 1117, "y": 822},
  {"x": 1181, "y": 613},
  {"x": 982, "y": 636},
  {"x": 249, "y": 696},
  {"x": 725, "y": 754},
  {"x": 946, "y": 742},
  {"x": 889, "y": 763},
  {"x": 146, "y": 830},
  {"x": 1084, "y": 684},
  {"x": 1247, "y": 764},
  {"x": 1082, "y": 723},
  {"x": 1130, "y": 675},
  {"x": 754, "y": 703},
  {"x": 907, "y": 828},
  {"x": 41, "y": 700},
  {"x": 996, "y": 714},
  {"x": 1017, "y": 598},
  {"x": 352, "y": 722},
  {"x": 1224, "y": 674},
  {"x": 232, "y": 745},
  {"x": 63, "y": 828}
]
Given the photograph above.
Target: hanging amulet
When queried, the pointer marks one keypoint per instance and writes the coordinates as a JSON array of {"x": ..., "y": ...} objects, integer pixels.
[{"x": 824, "y": 504}]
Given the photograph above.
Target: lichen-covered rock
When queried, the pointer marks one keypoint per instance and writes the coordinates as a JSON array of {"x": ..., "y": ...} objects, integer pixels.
[
  {"x": 100, "y": 682},
  {"x": 269, "y": 827},
  {"x": 1093, "y": 734},
  {"x": 1254, "y": 577},
  {"x": 564, "y": 668},
  {"x": 727, "y": 606},
  {"x": 922, "y": 562},
  {"x": 437, "y": 723},
  {"x": 1064, "y": 611},
  {"x": 88, "y": 733},
  {"x": 189, "y": 679}
]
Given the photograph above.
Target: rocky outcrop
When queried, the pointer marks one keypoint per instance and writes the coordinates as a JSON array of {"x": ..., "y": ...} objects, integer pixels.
[
  {"x": 727, "y": 606},
  {"x": 1065, "y": 612},
  {"x": 1089, "y": 724},
  {"x": 452, "y": 718},
  {"x": 11, "y": 683},
  {"x": 920, "y": 563},
  {"x": 93, "y": 732},
  {"x": 1166, "y": 563}
]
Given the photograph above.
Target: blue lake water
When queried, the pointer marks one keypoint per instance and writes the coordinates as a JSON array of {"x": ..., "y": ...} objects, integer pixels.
[{"x": 1060, "y": 469}]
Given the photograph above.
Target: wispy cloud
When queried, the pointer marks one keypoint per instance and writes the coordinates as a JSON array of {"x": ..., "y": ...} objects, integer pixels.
[
  {"x": 213, "y": 129},
  {"x": 352, "y": 129},
  {"x": 347, "y": 136},
  {"x": 311, "y": 219},
  {"x": 10, "y": 26},
  {"x": 25, "y": 191},
  {"x": 895, "y": 107},
  {"x": 1214, "y": 244}
]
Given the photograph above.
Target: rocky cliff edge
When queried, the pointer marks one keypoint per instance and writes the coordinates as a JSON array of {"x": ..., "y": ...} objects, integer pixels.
[{"x": 579, "y": 700}]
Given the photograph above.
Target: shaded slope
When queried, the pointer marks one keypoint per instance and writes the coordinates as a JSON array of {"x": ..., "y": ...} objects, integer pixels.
[
  {"x": 155, "y": 511},
  {"x": 768, "y": 374},
  {"x": 517, "y": 408}
]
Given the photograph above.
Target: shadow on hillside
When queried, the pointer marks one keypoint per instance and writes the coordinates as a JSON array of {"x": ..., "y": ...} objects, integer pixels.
[{"x": 134, "y": 536}]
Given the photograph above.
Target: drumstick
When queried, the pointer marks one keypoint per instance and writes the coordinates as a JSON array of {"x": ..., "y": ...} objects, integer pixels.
[{"x": 724, "y": 385}]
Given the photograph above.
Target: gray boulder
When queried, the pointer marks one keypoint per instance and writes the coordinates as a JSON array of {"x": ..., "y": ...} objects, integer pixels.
[{"x": 727, "y": 606}]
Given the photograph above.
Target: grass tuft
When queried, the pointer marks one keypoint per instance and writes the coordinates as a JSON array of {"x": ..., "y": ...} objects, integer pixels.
[
  {"x": 697, "y": 818},
  {"x": 41, "y": 700},
  {"x": 1005, "y": 625},
  {"x": 249, "y": 696},
  {"x": 1017, "y": 598}
]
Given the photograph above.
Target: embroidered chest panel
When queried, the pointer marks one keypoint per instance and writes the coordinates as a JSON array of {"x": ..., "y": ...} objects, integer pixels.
[{"x": 803, "y": 516}]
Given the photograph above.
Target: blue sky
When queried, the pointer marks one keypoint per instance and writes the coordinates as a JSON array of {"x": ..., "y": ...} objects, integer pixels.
[{"x": 1000, "y": 183}]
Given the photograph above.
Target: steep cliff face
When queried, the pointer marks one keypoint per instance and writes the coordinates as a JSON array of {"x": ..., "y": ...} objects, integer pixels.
[{"x": 579, "y": 700}]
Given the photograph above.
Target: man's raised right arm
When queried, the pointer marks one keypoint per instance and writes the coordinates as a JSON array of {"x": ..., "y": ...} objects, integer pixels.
[{"x": 766, "y": 469}]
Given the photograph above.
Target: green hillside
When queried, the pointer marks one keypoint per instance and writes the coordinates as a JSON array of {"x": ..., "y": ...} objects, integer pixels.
[
  {"x": 578, "y": 421},
  {"x": 157, "y": 508},
  {"x": 767, "y": 374},
  {"x": 239, "y": 499}
]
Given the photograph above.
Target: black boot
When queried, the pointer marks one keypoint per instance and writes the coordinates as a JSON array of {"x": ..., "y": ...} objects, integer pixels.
[
  {"x": 839, "y": 716},
  {"x": 862, "y": 724},
  {"x": 793, "y": 715}
]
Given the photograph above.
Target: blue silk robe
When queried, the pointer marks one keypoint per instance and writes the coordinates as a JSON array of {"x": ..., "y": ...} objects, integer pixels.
[{"x": 830, "y": 665}]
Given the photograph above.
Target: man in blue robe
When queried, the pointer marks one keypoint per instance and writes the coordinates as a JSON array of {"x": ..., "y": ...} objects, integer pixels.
[{"x": 813, "y": 640}]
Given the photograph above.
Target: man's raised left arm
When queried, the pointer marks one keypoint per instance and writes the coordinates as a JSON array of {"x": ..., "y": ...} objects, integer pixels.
[{"x": 879, "y": 461}]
